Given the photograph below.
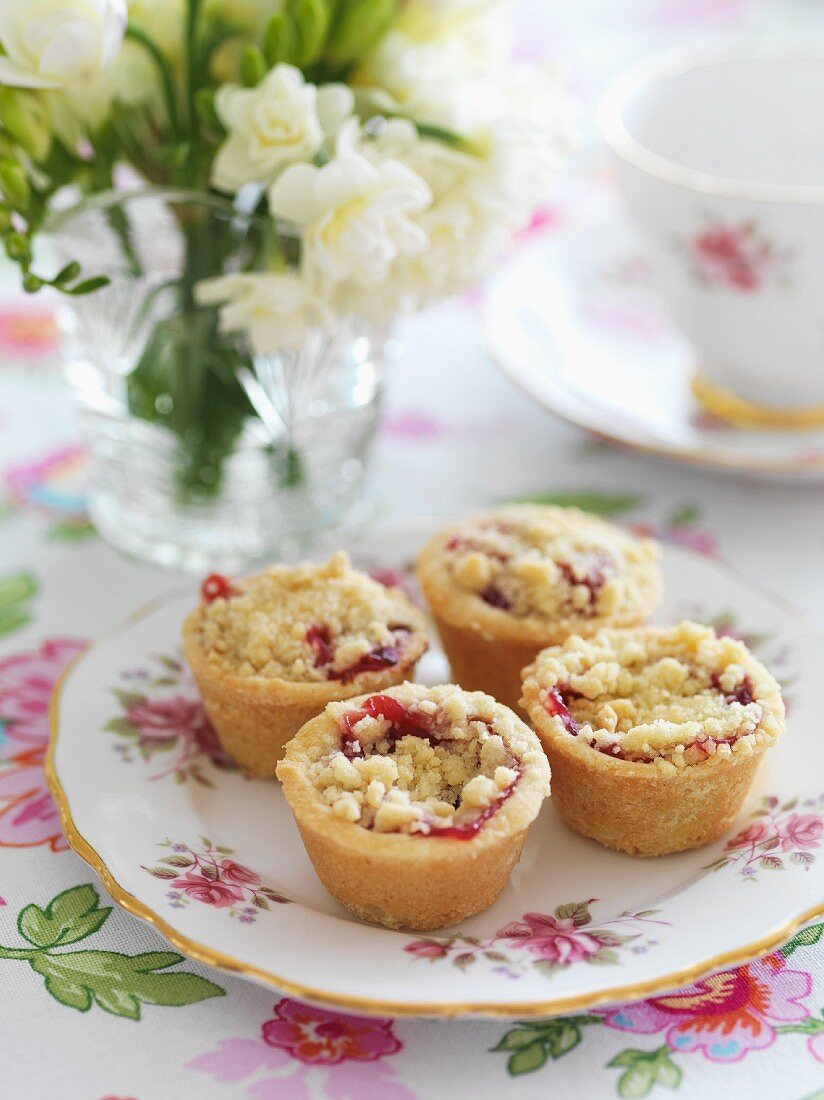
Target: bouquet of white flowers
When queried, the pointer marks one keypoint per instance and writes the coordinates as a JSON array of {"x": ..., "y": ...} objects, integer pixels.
[{"x": 392, "y": 145}]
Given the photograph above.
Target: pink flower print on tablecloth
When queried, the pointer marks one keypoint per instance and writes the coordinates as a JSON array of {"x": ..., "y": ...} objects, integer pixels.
[
  {"x": 306, "y": 1051},
  {"x": 28, "y": 816},
  {"x": 724, "y": 1016}
]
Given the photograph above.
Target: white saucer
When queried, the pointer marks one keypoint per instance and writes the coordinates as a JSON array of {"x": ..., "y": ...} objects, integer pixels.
[
  {"x": 215, "y": 861},
  {"x": 574, "y": 322}
]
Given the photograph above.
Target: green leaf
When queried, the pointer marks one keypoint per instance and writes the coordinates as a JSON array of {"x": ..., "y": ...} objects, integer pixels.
[
  {"x": 667, "y": 1073},
  {"x": 807, "y": 937},
  {"x": 528, "y": 1059},
  {"x": 69, "y": 917},
  {"x": 547, "y": 967},
  {"x": 16, "y": 588},
  {"x": 576, "y": 911},
  {"x": 803, "y": 859},
  {"x": 771, "y": 863},
  {"x": 119, "y": 983},
  {"x": 602, "y": 504},
  {"x": 563, "y": 1039},
  {"x": 626, "y": 1058},
  {"x": 88, "y": 286},
  {"x": 69, "y": 993},
  {"x": 71, "y": 530},
  {"x": 12, "y": 619},
  {"x": 637, "y": 1081},
  {"x": 178, "y": 861},
  {"x": 162, "y": 872},
  {"x": 517, "y": 1038},
  {"x": 605, "y": 957},
  {"x": 684, "y": 516}
]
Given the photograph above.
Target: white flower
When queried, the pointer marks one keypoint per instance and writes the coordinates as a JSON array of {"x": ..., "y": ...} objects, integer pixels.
[
  {"x": 356, "y": 217},
  {"x": 531, "y": 129},
  {"x": 274, "y": 310},
  {"x": 433, "y": 47},
  {"x": 280, "y": 122},
  {"x": 55, "y": 43}
]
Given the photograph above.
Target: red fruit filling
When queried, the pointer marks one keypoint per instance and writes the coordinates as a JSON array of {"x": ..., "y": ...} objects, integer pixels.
[
  {"x": 217, "y": 587},
  {"x": 319, "y": 640},
  {"x": 556, "y": 706},
  {"x": 595, "y": 578},
  {"x": 467, "y": 829},
  {"x": 320, "y": 643},
  {"x": 404, "y": 723},
  {"x": 407, "y": 724},
  {"x": 495, "y": 598},
  {"x": 741, "y": 693}
]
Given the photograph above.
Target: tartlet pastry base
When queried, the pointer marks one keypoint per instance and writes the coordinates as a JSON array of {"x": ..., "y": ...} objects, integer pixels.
[
  {"x": 255, "y": 716},
  {"x": 634, "y": 808},
  {"x": 482, "y": 663},
  {"x": 398, "y": 880}
]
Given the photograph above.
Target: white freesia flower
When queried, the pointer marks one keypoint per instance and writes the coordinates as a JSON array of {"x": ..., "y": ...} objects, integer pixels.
[
  {"x": 55, "y": 43},
  {"x": 274, "y": 310},
  {"x": 280, "y": 122},
  {"x": 432, "y": 47},
  {"x": 356, "y": 217},
  {"x": 525, "y": 143}
]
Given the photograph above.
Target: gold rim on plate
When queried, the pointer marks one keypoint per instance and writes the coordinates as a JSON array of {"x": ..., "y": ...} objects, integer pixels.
[{"x": 209, "y": 956}]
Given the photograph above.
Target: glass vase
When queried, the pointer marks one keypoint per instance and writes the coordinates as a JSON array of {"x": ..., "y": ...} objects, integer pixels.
[{"x": 204, "y": 455}]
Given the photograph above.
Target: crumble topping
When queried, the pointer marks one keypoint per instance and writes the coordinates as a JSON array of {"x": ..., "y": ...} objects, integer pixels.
[
  {"x": 433, "y": 761},
  {"x": 306, "y": 622},
  {"x": 675, "y": 696},
  {"x": 549, "y": 562}
]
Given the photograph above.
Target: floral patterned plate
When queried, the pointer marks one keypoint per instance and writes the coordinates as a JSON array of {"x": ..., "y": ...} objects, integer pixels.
[
  {"x": 182, "y": 839},
  {"x": 574, "y": 322}
]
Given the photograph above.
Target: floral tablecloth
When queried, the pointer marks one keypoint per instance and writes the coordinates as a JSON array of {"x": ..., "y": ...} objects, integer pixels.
[{"x": 456, "y": 436}]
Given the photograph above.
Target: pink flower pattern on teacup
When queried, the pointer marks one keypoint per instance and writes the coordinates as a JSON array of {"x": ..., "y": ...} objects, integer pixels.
[{"x": 738, "y": 257}]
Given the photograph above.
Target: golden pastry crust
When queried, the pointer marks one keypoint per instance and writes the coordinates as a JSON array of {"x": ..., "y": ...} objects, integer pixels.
[
  {"x": 414, "y": 878},
  {"x": 255, "y": 715},
  {"x": 503, "y": 585},
  {"x": 654, "y": 735}
]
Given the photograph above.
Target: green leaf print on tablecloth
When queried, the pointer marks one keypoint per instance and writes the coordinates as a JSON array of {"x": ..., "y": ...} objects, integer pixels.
[
  {"x": 602, "y": 504},
  {"x": 643, "y": 1069},
  {"x": 532, "y": 1044},
  {"x": 116, "y": 982},
  {"x": 16, "y": 591}
]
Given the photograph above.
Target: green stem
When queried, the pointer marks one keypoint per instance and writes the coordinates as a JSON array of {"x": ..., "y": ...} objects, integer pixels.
[
  {"x": 21, "y": 953},
  {"x": 165, "y": 74},
  {"x": 810, "y": 1026},
  {"x": 192, "y": 66}
]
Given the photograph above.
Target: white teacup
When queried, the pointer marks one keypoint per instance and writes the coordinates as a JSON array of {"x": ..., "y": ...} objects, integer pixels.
[{"x": 721, "y": 154}]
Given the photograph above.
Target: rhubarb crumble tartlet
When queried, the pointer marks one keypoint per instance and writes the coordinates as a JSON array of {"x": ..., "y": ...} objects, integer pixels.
[
  {"x": 654, "y": 735},
  {"x": 414, "y": 804},
  {"x": 503, "y": 585},
  {"x": 269, "y": 652}
]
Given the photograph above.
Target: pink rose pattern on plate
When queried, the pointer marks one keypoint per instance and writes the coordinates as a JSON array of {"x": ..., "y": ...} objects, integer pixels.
[
  {"x": 779, "y": 835},
  {"x": 207, "y": 875},
  {"x": 738, "y": 257},
  {"x": 28, "y": 816},
  {"x": 546, "y": 943},
  {"x": 163, "y": 718},
  {"x": 343, "y": 1056}
]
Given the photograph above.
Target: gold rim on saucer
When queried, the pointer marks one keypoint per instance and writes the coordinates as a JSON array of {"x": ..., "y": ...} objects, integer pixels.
[{"x": 725, "y": 405}]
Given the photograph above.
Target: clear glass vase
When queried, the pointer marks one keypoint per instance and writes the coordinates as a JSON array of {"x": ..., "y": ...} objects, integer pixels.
[{"x": 203, "y": 455}]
